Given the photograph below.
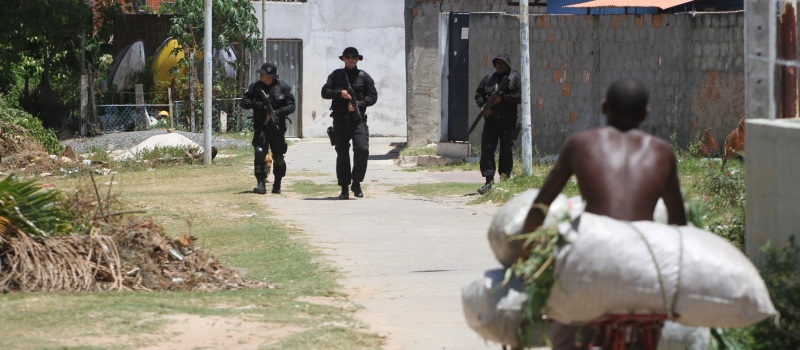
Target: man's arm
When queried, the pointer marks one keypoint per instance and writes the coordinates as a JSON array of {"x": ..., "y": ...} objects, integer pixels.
[
  {"x": 673, "y": 199},
  {"x": 551, "y": 187},
  {"x": 329, "y": 90},
  {"x": 480, "y": 92},
  {"x": 370, "y": 93},
  {"x": 289, "y": 102},
  {"x": 247, "y": 101}
]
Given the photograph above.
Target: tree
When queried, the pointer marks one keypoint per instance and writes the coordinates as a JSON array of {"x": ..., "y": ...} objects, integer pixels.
[
  {"x": 43, "y": 40},
  {"x": 234, "y": 25}
]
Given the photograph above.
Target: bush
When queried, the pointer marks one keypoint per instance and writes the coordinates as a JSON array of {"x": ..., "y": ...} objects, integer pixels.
[
  {"x": 781, "y": 273},
  {"x": 32, "y": 125}
]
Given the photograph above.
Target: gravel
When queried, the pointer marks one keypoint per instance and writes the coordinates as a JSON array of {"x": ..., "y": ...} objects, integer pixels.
[{"x": 125, "y": 140}]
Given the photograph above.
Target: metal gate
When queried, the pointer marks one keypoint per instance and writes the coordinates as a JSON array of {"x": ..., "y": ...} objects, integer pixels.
[
  {"x": 458, "y": 77},
  {"x": 287, "y": 55}
]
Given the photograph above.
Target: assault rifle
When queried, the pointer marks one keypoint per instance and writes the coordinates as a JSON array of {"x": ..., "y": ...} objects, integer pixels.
[
  {"x": 270, "y": 112},
  {"x": 353, "y": 100},
  {"x": 488, "y": 104}
]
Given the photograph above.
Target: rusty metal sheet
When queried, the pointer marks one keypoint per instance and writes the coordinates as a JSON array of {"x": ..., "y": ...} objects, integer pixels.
[{"x": 662, "y": 4}]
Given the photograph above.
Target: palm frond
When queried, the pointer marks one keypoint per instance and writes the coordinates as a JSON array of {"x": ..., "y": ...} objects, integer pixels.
[{"x": 36, "y": 210}]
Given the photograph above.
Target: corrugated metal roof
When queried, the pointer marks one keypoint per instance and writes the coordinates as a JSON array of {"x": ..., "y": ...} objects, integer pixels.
[{"x": 662, "y": 4}]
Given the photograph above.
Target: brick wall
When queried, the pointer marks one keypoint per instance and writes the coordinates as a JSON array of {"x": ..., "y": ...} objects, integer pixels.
[{"x": 692, "y": 64}]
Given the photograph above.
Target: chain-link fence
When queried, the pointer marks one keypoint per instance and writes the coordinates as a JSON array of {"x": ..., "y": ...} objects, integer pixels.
[{"x": 227, "y": 115}]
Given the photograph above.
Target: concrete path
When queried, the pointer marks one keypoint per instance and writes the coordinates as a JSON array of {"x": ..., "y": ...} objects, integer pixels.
[{"x": 404, "y": 258}]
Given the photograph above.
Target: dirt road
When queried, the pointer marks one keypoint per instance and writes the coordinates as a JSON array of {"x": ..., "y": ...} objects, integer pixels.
[{"x": 404, "y": 258}]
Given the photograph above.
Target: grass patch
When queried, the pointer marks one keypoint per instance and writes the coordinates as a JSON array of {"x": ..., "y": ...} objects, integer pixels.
[
  {"x": 215, "y": 204},
  {"x": 437, "y": 190},
  {"x": 418, "y": 151},
  {"x": 312, "y": 189}
]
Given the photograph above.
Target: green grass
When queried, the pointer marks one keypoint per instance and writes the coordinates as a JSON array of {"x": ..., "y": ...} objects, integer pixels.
[
  {"x": 310, "y": 189},
  {"x": 418, "y": 151}
]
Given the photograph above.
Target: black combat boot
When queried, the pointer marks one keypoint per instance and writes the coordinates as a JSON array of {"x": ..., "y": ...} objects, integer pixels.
[
  {"x": 260, "y": 188},
  {"x": 356, "y": 187},
  {"x": 276, "y": 186},
  {"x": 487, "y": 186},
  {"x": 345, "y": 193}
]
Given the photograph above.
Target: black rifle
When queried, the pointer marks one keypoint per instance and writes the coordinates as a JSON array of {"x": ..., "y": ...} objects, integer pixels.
[
  {"x": 488, "y": 104},
  {"x": 353, "y": 100},
  {"x": 270, "y": 111}
]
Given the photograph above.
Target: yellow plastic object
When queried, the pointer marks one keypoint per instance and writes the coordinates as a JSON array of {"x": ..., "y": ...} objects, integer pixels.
[{"x": 165, "y": 60}]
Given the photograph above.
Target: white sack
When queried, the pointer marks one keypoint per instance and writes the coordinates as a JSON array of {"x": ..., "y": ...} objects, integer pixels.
[
  {"x": 508, "y": 220},
  {"x": 608, "y": 268},
  {"x": 492, "y": 310},
  {"x": 677, "y": 337}
]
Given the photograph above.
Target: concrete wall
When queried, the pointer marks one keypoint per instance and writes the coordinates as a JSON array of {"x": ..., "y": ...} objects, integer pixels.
[
  {"x": 692, "y": 64},
  {"x": 773, "y": 194},
  {"x": 326, "y": 27}
]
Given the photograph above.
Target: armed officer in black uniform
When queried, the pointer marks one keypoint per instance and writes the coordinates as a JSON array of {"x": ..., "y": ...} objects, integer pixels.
[
  {"x": 500, "y": 120},
  {"x": 272, "y": 101},
  {"x": 348, "y": 87}
]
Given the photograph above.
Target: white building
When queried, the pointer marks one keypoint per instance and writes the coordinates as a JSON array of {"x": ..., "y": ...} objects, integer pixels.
[{"x": 305, "y": 39}]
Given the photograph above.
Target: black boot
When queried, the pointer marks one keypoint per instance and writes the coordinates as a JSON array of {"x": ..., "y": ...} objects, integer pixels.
[
  {"x": 487, "y": 186},
  {"x": 276, "y": 186},
  {"x": 345, "y": 193},
  {"x": 356, "y": 187},
  {"x": 260, "y": 188}
]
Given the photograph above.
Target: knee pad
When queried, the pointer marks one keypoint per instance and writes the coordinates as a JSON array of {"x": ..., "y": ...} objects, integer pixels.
[{"x": 260, "y": 155}]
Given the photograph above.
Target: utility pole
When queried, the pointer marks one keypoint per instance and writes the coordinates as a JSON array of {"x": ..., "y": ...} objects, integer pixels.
[
  {"x": 788, "y": 52},
  {"x": 759, "y": 59},
  {"x": 263, "y": 31},
  {"x": 207, "y": 60},
  {"x": 525, "y": 79}
]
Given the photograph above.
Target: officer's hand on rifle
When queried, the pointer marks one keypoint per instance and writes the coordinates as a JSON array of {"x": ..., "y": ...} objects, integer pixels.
[
  {"x": 497, "y": 99},
  {"x": 346, "y": 96},
  {"x": 488, "y": 112},
  {"x": 258, "y": 105}
]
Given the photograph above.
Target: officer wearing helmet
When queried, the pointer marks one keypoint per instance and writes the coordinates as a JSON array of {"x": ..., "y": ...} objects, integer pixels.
[
  {"x": 500, "y": 120},
  {"x": 272, "y": 101}
]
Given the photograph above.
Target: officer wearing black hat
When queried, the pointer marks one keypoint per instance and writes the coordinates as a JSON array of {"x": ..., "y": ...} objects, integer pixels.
[
  {"x": 500, "y": 120},
  {"x": 269, "y": 124},
  {"x": 350, "y": 88}
]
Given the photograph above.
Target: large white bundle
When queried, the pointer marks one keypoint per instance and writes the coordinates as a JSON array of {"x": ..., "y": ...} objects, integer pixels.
[
  {"x": 508, "y": 220},
  {"x": 678, "y": 337},
  {"x": 494, "y": 311},
  {"x": 616, "y": 267}
]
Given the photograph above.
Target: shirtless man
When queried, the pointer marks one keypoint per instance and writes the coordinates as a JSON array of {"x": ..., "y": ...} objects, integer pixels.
[{"x": 621, "y": 173}]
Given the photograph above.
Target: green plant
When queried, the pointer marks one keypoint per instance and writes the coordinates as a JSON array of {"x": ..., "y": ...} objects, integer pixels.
[
  {"x": 781, "y": 273},
  {"x": 38, "y": 211},
  {"x": 418, "y": 151},
  {"x": 33, "y": 127}
]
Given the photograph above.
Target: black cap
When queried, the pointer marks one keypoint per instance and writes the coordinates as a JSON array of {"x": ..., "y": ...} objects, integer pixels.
[
  {"x": 268, "y": 69},
  {"x": 351, "y": 51},
  {"x": 503, "y": 57}
]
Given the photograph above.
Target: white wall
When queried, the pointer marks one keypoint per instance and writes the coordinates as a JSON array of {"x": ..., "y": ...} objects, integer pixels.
[{"x": 375, "y": 28}]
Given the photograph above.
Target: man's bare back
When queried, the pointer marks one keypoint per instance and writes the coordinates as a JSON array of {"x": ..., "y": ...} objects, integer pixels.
[
  {"x": 621, "y": 171},
  {"x": 622, "y": 174}
]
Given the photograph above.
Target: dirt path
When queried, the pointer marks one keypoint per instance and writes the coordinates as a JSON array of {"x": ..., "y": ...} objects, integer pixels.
[{"x": 405, "y": 259}]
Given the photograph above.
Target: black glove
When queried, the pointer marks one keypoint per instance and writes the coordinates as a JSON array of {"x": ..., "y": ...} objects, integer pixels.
[{"x": 258, "y": 105}]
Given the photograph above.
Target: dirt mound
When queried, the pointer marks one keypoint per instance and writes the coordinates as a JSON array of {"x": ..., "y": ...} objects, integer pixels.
[{"x": 19, "y": 153}]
